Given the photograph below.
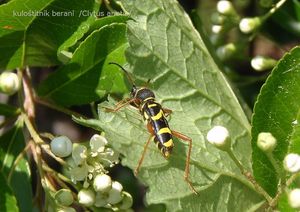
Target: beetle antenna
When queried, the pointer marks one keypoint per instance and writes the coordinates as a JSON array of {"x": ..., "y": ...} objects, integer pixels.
[{"x": 126, "y": 72}]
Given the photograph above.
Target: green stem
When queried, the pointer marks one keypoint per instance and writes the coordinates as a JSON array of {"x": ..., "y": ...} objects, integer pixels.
[
  {"x": 292, "y": 178},
  {"x": 249, "y": 176},
  {"x": 267, "y": 15},
  {"x": 58, "y": 108},
  {"x": 57, "y": 174},
  {"x": 273, "y": 10},
  {"x": 282, "y": 188},
  {"x": 236, "y": 161}
]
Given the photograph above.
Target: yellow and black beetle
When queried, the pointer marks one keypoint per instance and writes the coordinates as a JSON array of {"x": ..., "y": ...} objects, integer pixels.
[{"x": 143, "y": 99}]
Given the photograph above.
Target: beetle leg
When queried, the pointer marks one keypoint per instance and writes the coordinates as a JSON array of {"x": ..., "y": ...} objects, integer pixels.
[
  {"x": 187, "y": 162},
  {"x": 120, "y": 104}
]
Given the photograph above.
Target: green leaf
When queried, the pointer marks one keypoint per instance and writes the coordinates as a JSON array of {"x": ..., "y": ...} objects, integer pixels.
[
  {"x": 87, "y": 28},
  {"x": 8, "y": 110},
  {"x": 11, "y": 145},
  {"x": 32, "y": 31},
  {"x": 86, "y": 78},
  {"x": 295, "y": 138},
  {"x": 275, "y": 111},
  {"x": 165, "y": 47},
  {"x": 101, "y": 22},
  {"x": 7, "y": 199}
]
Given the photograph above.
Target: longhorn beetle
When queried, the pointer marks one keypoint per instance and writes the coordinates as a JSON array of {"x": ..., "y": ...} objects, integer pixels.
[{"x": 143, "y": 99}]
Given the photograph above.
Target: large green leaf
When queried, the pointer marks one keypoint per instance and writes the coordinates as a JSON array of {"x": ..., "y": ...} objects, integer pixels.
[
  {"x": 31, "y": 31},
  {"x": 276, "y": 111},
  {"x": 7, "y": 199},
  {"x": 85, "y": 79},
  {"x": 11, "y": 144},
  {"x": 165, "y": 47}
]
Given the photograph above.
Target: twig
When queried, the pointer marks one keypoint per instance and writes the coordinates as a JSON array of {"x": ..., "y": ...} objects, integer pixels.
[
  {"x": 46, "y": 148},
  {"x": 35, "y": 136},
  {"x": 28, "y": 95},
  {"x": 47, "y": 135},
  {"x": 57, "y": 175}
]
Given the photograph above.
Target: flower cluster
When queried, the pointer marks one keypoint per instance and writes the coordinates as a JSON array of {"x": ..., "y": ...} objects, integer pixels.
[
  {"x": 87, "y": 165},
  {"x": 105, "y": 193},
  {"x": 89, "y": 161}
]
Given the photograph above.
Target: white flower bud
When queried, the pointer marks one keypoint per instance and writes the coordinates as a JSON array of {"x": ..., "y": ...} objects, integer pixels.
[
  {"x": 260, "y": 63},
  {"x": 248, "y": 25},
  {"x": 226, "y": 51},
  {"x": 9, "y": 82},
  {"x": 114, "y": 195},
  {"x": 294, "y": 198},
  {"x": 86, "y": 197},
  {"x": 61, "y": 146},
  {"x": 219, "y": 136},
  {"x": 292, "y": 162},
  {"x": 100, "y": 200},
  {"x": 126, "y": 202},
  {"x": 97, "y": 144},
  {"x": 79, "y": 154},
  {"x": 225, "y": 7},
  {"x": 266, "y": 141},
  {"x": 216, "y": 29},
  {"x": 102, "y": 183},
  {"x": 64, "y": 197}
]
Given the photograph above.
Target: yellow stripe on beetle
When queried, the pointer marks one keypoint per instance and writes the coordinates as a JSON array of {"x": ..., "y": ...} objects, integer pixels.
[
  {"x": 152, "y": 105},
  {"x": 157, "y": 116},
  {"x": 147, "y": 99},
  {"x": 169, "y": 143},
  {"x": 146, "y": 116},
  {"x": 164, "y": 130}
]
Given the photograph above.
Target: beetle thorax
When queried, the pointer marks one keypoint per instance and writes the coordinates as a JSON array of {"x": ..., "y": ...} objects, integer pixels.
[{"x": 142, "y": 93}]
